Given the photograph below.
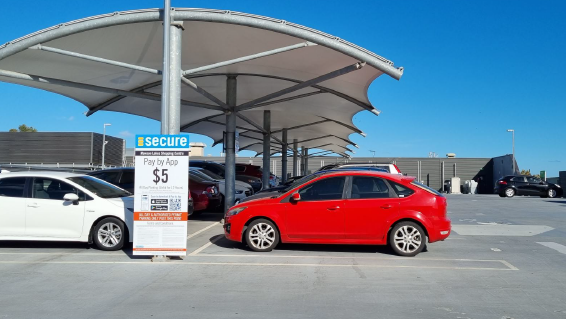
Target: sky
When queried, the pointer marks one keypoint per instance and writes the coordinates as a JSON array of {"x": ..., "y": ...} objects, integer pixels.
[{"x": 472, "y": 70}]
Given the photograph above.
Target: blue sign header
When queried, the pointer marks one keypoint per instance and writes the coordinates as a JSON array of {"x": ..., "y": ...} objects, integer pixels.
[{"x": 162, "y": 141}]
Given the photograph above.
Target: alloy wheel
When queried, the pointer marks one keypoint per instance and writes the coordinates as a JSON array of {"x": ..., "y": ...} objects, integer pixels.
[
  {"x": 408, "y": 239},
  {"x": 262, "y": 236},
  {"x": 509, "y": 192},
  {"x": 551, "y": 193},
  {"x": 109, "y": 235}
]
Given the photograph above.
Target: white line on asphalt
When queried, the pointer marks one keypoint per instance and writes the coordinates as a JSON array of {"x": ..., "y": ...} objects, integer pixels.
[
  {"x": 508, "y": 264},
  {"x": 205, "y": 246},
  {"x": 68, "y": 254},
  {"x": 559, "y": 248},
  {"x": 202, "y": 230},
  {"x": 250, "y": 264}
]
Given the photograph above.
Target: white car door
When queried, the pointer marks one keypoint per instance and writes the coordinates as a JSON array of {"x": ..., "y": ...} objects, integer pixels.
[
  {"x": 12, "y": 206},
  {"x": 48, "y": 215}
]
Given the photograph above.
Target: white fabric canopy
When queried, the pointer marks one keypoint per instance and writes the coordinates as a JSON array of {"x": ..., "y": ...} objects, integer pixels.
[{"x": 209, "y": 36}]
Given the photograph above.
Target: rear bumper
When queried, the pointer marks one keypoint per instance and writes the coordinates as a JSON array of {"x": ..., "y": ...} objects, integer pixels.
[{"x": 441, "y": 231}]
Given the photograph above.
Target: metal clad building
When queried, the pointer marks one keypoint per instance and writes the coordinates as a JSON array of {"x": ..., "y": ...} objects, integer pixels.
[{"x": 59, "y": 147}]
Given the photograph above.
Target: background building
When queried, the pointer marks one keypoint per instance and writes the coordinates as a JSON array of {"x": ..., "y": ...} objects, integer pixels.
[{"x": 60, "y": 148}]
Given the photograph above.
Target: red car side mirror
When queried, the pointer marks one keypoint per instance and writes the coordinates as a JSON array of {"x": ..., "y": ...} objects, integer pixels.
[{"x": 296, "y": 197}]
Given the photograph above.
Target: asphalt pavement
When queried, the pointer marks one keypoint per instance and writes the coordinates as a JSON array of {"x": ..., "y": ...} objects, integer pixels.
[{"x": 504, "y": 259}]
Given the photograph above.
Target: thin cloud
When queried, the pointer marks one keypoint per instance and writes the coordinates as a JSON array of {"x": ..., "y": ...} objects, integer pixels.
[
  {"x": 126, "y": 134},
  {"x": 71, "y": 118}
]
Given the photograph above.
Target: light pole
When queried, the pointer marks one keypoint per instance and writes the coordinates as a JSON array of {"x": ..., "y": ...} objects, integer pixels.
[
  {"x": 513, "y": 132},
  {"x": 373, "y": 153},
  {"x": 104, "y": 143}
]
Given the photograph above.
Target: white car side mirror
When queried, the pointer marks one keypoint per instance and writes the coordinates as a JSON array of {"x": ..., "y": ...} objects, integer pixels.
[{"x": 71, "y": 197}]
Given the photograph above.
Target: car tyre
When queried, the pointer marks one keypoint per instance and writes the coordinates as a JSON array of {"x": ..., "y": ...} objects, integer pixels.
[
  {"x": 262, "y": 235},
  {"x": 551, "y": 193},
  {"x": 501, "y": 195},
  {"x": 509, "y": 192},
  {"x": 109, "y": 234},
  {"x": 407, "y": 239}
]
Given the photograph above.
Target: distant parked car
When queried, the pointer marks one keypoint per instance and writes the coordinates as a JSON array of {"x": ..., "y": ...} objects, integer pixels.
[
  {"x": 60, "y": 206},
  {"x": 219, "y": 169},
  {"x": 124, "y": 177},
  {"x": 254, "y": 170},
  {"x": 390, "y": 168},
  {"x": 205, "y": 194},
  {"x": 510, "y": 186},
  {"x": 240, "y": 192},
  {"x": 343, "y": 207}
]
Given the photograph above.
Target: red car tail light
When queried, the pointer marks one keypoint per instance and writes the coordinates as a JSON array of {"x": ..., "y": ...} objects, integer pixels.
[
  {"x": 503, "y": 182},
  {"x": 211, "y": 190},
  {"x": 397, "y": 168}
]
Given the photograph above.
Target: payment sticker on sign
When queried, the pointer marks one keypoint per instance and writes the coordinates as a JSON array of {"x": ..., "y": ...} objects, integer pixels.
[{"x": 161, "y": 195}]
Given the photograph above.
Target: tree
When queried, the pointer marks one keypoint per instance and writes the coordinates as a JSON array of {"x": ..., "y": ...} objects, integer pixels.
[
  {"x": 526, "y": 172},
  {"x": 24, "y": 128}
]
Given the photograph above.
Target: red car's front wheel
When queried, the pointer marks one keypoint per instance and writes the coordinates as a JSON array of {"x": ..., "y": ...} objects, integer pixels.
[{"x": 262, "y": 235}]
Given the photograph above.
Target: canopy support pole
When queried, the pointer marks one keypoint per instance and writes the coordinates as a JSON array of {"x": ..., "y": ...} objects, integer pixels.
[
  {"x": 295, "y": 170},
  {"x": 306, "y": 161},
  {"x": 174, "y": 114},
  {"x": 266, "y": 148},
  {"x": 230, "y": 162},
  {"x": 166, "y": 77},
  {"x": 284, "y": 157}
]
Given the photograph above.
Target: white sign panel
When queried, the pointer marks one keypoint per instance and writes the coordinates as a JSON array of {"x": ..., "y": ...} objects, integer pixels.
[{"x": 161, "y": 195}]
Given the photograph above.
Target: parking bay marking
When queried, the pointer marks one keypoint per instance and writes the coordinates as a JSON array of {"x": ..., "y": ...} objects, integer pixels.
[
  {"x": 559, "y": 248},
  {"x": 202, "y": 230},
  {"x": 176, "y": 263},
  {"x": 205, "y": 246}
]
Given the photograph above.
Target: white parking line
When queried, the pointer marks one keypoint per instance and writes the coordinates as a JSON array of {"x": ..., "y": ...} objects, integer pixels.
[
  {"x": 203, "y": 230},
  {"x": 205, "y": 246},
  {"x": 176, "y": 263},
  {"x": 559, "y": 248}
]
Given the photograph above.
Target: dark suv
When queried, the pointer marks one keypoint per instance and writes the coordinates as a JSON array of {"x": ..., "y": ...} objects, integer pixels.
[{"x": 510, "y": 186}]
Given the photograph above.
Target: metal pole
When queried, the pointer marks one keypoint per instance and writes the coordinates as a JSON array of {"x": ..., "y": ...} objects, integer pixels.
[
  {"x": 295, "y": 155},
  {"x": 284, "y": 157},
  {"x": 266, "y": 148},
  {"x": 230, "y": 162},
  {"x": 104, "y": 144},
  {"x": 166, "y": 68},
  {"x": 306, "y": 150},
  {"x": 513, "y": 152},
  {"x": 174, "y": 114},
  {"x": 442, "y": 176}
]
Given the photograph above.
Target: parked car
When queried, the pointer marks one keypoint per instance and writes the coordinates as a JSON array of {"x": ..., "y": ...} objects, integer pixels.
[
  {"x": 254, "y": 170},
  {"x": 343, "y": 207},
  {"x": 510, "y": 186},
  {"x": 219, "y": 169},
  {"x": 205, "y": 194},
  {"x": 390, "y": 168},
  {"x": 60, "y": 206},
  {"x": 124, "y": 177},
  {"x": 240, "y": 192}
]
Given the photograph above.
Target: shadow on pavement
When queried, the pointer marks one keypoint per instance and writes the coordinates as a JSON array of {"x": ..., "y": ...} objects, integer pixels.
[
  {"x": 314, "y": 248},
  {"x": 207, "y": 216}
]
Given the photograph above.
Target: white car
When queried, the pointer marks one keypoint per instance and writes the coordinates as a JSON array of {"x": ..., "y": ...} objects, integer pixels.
[
  {"x": 58, "y": 206},
  {"x": 391, "y": 168}
]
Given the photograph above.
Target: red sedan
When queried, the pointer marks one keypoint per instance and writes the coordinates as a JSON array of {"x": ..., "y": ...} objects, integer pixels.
[{"x": 343, "y": 207}]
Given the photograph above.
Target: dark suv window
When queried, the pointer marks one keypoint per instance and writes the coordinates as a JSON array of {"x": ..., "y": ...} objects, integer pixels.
[
  {"x": 110, "y": 177},
  {"x": 12, "y": 187},
  {"x": 325, "y": 189},
  {"x": 128, "y": 177},
  {"x": 369, "y": 187},
  {"x": 520, "y": 179}
]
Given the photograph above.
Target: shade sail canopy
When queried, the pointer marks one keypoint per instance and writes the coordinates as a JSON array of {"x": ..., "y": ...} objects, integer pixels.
[{"x": 329, "y": 76}]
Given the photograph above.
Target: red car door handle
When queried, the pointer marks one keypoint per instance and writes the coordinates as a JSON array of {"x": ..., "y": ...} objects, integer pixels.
[
  {"x": 386, "y": 206},
  {"x": 333, "y": 208}
]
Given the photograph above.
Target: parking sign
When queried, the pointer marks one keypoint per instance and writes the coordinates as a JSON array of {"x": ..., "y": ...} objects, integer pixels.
[{"x": 161, "y": 195}]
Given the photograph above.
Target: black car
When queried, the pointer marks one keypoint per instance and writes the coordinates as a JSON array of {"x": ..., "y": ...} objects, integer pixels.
[
  {"x": 219, "y": 169},
  {"x": 124, "y": 177},
  {"x": 510, "y": 186}
]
